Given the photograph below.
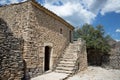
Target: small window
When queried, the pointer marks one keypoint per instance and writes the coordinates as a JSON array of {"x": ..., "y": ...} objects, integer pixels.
[{"x": 61, "y": 31}]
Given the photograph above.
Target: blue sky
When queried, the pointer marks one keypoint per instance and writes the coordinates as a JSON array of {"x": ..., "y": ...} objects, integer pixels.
[
  {"x": 111, "y": 23},
  {"x": 78, "y": 12}
]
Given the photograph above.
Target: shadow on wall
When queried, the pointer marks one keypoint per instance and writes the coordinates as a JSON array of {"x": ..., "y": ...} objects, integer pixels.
[
  {"x": 97, "y": 59},
  {"x": 11, "y": 48}
]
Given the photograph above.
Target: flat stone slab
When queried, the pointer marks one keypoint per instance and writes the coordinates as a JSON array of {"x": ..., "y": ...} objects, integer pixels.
[{"x": 51, "y": 76}]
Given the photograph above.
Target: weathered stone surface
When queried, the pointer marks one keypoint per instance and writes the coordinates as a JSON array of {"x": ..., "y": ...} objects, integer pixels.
[
  {"x": 113, "y": 59},
  {"x": 11, "y": 62},
  {"x": 82, "y": 55}
]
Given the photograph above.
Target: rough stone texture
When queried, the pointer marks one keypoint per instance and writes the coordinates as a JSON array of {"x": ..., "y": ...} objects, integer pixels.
[
  {"x": 37, "y": 29},
  {"x": 16, "y": 17},
  {"x": 82, "y": 55},
  {"x": 113, "y": 59},
  {"x": 11, "y": 62}
]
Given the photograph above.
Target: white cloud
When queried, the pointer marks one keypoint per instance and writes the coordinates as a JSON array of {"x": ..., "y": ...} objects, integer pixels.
[
  {"x": 14, "y": 1},
  {"x": 117, "y": 30},
  {"x": 78, "y": 12},
  {"x": 65, "y": 10},
  {"x": 117, "y": 40},
  {"x": 111, "y": 6},
  {"x": 87, "y": 3},
  {"x": 72, "y": 11},
  {"x": 97, "y": 5},
  {"x": 3, "y": 2},
  {"x": 94, "y": 5}
]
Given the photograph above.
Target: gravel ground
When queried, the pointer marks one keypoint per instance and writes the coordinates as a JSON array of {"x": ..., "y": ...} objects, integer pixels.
[
  {"x": 51, "y": 76},
  {"x": 97, "y": 73},
  {"x": 92, "y": 73}
]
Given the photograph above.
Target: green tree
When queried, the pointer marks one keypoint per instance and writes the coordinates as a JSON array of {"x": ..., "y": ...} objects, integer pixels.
[{"x": 95, "y": 38}]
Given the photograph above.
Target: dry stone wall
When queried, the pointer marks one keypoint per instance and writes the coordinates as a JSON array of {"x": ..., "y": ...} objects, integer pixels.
[
  {"x": 11, "y": 62},
  {"x": 112, "y": 60},
  {"x": 17, "y": 18}
]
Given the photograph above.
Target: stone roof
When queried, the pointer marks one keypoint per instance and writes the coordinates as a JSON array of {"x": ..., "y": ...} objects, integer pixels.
[{"x": 50, "y": 13}]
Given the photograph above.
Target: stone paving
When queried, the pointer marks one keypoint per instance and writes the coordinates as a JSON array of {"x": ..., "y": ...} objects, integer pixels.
[{"x": 51, "y": 76}]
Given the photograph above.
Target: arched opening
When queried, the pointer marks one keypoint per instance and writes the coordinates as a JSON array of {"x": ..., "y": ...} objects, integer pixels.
[{"x": 47, "y": 58}]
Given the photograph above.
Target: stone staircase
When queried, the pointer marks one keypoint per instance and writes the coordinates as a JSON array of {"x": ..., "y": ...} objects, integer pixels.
[{"x": 67, "y": 63}]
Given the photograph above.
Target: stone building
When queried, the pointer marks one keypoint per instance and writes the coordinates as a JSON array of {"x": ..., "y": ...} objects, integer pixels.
[{"x": 44, "y": 35}]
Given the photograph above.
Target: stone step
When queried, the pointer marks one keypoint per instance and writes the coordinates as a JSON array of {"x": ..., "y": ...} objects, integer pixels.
[
  {"x": 63, "y": 71},
  {"x": 70, "y": 56},
  {"x": 65, "y": 68},
  {"x": 68, "y": 59},
  {"x": 65, "y": 65},
  {"x": 70, "y": 53},
  {"x": 67, "y": 62}
]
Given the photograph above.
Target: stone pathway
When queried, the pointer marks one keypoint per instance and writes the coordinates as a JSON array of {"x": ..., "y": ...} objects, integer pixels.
[{"x": 51, "y": 76}]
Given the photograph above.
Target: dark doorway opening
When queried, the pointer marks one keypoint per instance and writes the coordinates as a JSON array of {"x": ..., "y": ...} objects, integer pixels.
[
  {"x": 47, "y": 58},
  {"x": 70, "y": 36},
  {"x": 24, "y": 70},
  {"x": 94, "y": 59}
]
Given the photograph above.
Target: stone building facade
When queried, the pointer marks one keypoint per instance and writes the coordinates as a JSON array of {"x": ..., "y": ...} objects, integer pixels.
[{"x": 44, "y": 35}]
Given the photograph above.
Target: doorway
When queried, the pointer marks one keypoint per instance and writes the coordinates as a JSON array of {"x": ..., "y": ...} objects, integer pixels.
[
  {"x": 47, "y": 58},
  {"x": 70, "y": 36}
]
